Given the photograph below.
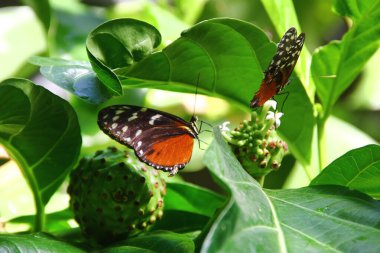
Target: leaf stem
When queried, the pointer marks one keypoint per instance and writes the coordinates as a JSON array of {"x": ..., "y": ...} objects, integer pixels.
[
  {"x": 39, "y": 221},
  {"x": 321, "y": 124}
]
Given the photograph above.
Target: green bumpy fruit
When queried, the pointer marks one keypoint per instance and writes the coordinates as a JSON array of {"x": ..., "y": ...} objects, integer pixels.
[{"x": 114, "y": 196}]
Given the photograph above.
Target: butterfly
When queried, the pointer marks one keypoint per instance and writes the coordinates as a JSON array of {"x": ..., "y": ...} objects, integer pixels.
[
  {"x": 281, "y": 67},
  {"x": 159, "y": 139}
]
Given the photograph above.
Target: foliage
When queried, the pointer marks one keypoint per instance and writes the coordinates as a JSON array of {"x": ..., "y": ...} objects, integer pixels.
[{"x": 221, "y": 57}]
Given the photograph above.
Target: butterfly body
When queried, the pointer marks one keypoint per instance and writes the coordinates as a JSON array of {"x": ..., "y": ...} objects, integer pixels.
[
  {"x": 162, "y": 140},
  {"x": 276, "y": 77}
]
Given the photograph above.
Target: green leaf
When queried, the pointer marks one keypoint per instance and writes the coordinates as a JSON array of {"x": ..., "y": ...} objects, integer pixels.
[
  {"x": 157, "y": 241},
  {"x": 55, "y": 222},
  {"x": 35, "y": 243},
  {"x": 283, "y": 16},
  {"x": 192, "y": 198},
  {"x": 308, "y": 219},
  {"x": 76, "y": 77},
  {"x": 40, "y": 132},
  {"x": 178, "y": 221},
  {"x": 358, "y": 169},
  {"x": 227, "y": 55},
  {"x": 42, "y": 10},
  {"x": 344, "y": 60},
  {"x": 117, "y": 44},
  {"x": 298, "y": 121}
]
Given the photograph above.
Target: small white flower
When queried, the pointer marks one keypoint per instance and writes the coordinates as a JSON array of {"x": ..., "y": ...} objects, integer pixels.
[
  {"x": 223, "y": 127},
  {"x": 271, "y": 103},
  {"x": 275, "y": 116}
]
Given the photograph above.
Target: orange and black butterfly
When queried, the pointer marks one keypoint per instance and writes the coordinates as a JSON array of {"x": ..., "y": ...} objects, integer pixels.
[
  {"x": 281, "y": 67},
  {"x": 159, "y": 139}
]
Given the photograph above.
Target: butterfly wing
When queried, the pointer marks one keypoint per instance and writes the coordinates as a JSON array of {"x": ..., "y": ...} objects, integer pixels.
[
  {"x": 159, "y": 139},
  {"x": 281, "y": 67}
]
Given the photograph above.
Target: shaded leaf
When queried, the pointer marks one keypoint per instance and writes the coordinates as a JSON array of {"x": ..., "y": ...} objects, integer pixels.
[
  {"x": 298, "y": 121},
  {"x": 192, "y": 198},
  {"x": 308, "y": 219},
  {"x": 157, "y": 241},
  {"x": 35, "y": 243},
  {"x": 76, "y": 77},
  {"x": 40, "y": 132},
  {"x": 358, "y": 169},
  {"x": 178, "y": 221}
]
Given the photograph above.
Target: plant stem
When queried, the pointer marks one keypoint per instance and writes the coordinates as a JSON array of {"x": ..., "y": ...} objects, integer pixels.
[
  {"x": 39, "y": 221},
  {"x": 261, "y": 180},
  {"x": 321, "y": 123}
]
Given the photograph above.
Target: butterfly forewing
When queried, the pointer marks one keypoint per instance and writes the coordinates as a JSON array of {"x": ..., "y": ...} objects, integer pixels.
[
  {"x": 280, "y": 68},
  {"x": 159, "y": 139}
]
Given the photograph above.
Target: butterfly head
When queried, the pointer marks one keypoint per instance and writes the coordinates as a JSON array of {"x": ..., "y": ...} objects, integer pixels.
[{"x": 194, "y": 126}]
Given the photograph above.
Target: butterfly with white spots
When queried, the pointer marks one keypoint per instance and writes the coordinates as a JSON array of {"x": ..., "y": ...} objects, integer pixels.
[
  {"x": 280, "y": 68},
  {"x": 159, "y": 139}
]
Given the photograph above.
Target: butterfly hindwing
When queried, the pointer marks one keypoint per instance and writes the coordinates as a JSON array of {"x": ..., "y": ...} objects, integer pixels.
[
  {"x": 159, "y": 139},
  {"x": 280, "y": 68}
]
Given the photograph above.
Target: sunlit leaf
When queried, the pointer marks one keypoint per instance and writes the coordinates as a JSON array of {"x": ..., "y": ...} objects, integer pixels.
[
  {"x": 358, "y": 169},
  {"x": 336, "y": 65},
  {"x": 40, "y": 131},
  {"x": 35, "y": 243}
]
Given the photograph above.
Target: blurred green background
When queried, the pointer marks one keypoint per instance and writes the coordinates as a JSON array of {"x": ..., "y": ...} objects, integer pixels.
[{"x": 24, "y": 34}]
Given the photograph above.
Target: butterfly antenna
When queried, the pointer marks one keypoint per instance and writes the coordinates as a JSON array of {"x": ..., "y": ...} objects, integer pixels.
[{"x": 196, "y": 93}]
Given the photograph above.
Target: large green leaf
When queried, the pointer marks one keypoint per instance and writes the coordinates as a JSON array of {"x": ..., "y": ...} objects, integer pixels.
[
  {"x": 35, "y": 243},
  {"x": 40, "y": 131},
  {"x": 116, "y": 44},
  {"x": 76, "y": 77},
  {"x": 358, "y": 169},
  {"x": 345, "y": 59},
  {"x": 308, "y": 219},
  {"x": 158, "y": 241},
  {"x": 227, "y": 55},
  {"x": 192, "y": 198},
  {"x": 283, "y": 16}
]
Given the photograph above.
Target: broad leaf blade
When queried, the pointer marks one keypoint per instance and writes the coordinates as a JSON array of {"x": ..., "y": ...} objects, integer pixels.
[
  {"x": 35, "y": 243},
  {"x": 345, "y": 60},
  {"x": 327, "y": 219},
  {"x": 116, "y": 44},
  {"x": 248, "y": 217},
  {"x": 309, "y": 219},
  {"x": 358, "y": 169},
  {"x": 228, "y": 56},
  {"x": 192, "y": 198},
  {"x": 40, "y": 132}
]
